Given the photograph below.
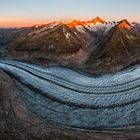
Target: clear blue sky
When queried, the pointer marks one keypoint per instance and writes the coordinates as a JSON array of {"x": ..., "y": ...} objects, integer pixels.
[{"x": 68, "y": 9}]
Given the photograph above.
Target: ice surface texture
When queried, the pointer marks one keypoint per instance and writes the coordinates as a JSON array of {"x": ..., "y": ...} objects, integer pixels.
[{"x": 78, "y": 100}]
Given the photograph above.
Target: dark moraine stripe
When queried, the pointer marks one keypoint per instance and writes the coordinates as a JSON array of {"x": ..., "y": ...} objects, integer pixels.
[{"x": 66, "y": 97}]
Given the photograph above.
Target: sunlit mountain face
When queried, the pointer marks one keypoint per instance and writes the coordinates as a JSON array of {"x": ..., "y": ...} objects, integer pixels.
[
  {"x": 73, "y": 22},
  {"x": 96, "y": 45},
  {"x": 125, "y": 24}
]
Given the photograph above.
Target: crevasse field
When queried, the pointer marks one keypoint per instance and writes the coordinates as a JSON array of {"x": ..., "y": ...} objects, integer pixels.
[{"x": 78, "y": 100}]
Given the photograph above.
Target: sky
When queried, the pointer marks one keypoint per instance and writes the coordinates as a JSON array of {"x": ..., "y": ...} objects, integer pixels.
[{"x": 15, "y": 13}]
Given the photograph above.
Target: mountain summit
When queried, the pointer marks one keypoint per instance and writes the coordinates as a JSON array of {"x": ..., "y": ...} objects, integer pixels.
[
  {"x": 95, "y": 21},
  {"x": 124, "y": 24},
  {"x": 74, "y": 23},
  {"x": 98, "y": 20}
]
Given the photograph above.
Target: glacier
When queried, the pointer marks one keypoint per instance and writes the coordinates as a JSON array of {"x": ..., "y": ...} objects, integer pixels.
[{"x": 75, "y": 99}]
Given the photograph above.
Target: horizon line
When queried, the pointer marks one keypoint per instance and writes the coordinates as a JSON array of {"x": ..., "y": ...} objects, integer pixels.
[{"x": 20, "y": 23}]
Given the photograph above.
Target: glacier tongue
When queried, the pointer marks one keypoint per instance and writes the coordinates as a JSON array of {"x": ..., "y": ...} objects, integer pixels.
[{"x": 69, "y": 98}]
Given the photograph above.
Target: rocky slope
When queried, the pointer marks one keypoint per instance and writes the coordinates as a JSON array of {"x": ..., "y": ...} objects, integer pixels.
[
  {"x": 46, "y": 44},
  {"x": 8, "y": 35}
]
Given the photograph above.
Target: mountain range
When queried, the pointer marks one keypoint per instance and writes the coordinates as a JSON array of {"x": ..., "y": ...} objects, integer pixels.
[{"x": 97, "y": 46}]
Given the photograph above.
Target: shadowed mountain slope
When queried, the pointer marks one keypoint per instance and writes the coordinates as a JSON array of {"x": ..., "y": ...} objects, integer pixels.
[{"x": 119, "y": 48}]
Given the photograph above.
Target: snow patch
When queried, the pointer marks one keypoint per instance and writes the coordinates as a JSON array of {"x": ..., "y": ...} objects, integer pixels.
[
  {"x": 52, "y": 25},
  {"x": 106, "y": 27},
  {"x": 80, "y": 29},
  {"x": 67, "y": 35}
]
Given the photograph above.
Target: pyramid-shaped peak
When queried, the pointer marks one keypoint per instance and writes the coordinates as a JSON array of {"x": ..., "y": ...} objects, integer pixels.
[
  {"x": 99, "y": 19},
  {"x": 124, "y": 24}
]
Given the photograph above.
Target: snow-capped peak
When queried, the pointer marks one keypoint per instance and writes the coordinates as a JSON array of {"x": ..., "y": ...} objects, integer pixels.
[
  {"x": 97, "y": 20},
  {"x": 74, "y": 23}
]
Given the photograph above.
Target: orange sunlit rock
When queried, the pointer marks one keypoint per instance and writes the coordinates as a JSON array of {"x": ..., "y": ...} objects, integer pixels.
[
  {"x": 124, "y": 24},
  {"x": 97, "y": 20},
  {"x": 74, "y": 23}
]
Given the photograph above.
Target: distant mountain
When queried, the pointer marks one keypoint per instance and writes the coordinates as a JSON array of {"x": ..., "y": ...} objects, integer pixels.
[
  {"x": 95, "y": 45},
  {"x": 97, "y": 20}
]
